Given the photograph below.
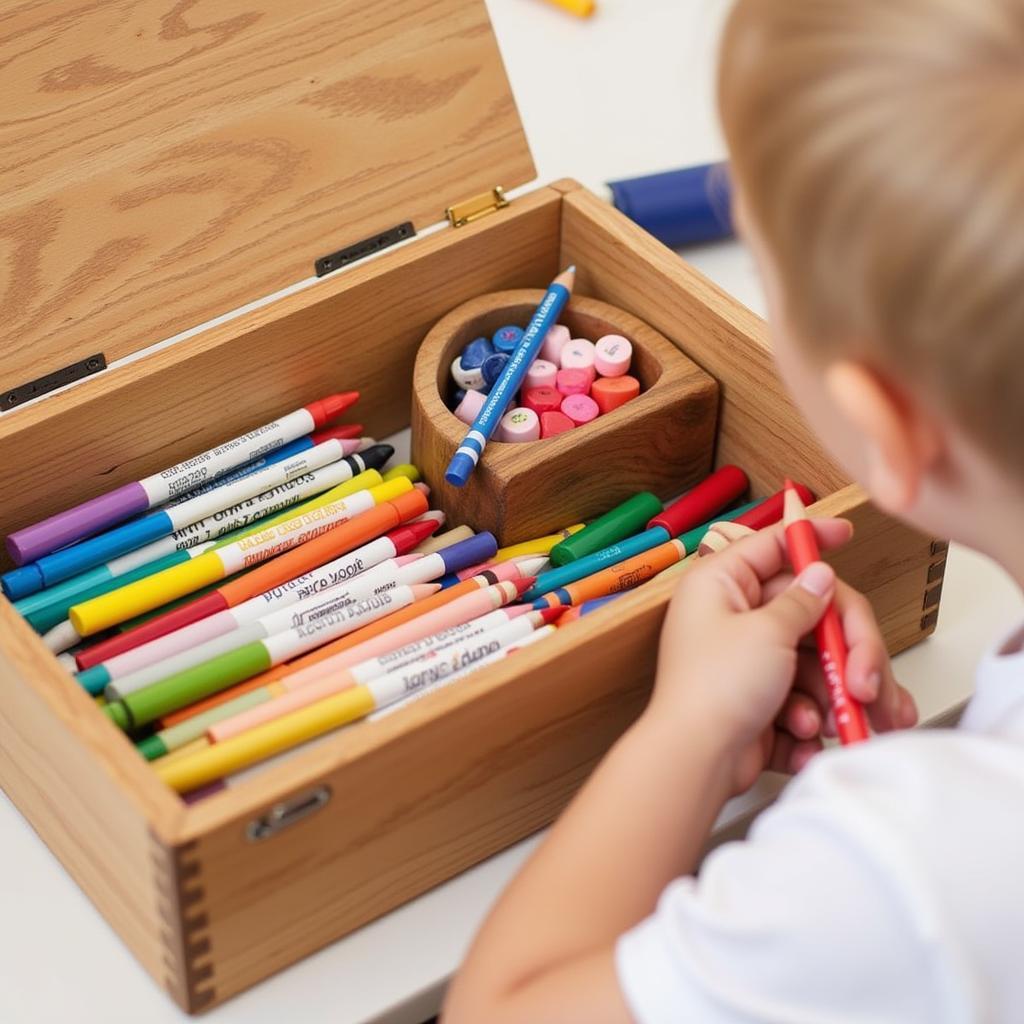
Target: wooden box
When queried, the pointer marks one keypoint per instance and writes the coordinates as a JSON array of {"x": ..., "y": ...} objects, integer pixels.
[
  {"x": 169, "y": 164},
  {"x": 662, "y": 441}
]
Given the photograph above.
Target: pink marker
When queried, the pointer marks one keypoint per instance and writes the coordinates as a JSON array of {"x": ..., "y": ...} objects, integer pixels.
[
  {"x": 542, "y": 400},
  {"x": 554, "y": 341},
  {"x": 519, "y": 425},
  {"x": 541, "y": 374},
  {"x": 612, "y": 355},
  {"x": 579, "y": 354},
  {"x": 573, "y": 382},
  {"x": 580, "y": 409},
  {"x": 469, "y": 408}
]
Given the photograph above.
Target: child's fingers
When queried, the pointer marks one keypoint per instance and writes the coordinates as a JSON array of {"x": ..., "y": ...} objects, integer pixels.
[
  {"x": 790, "y": 755},
  {"x": 720, "y": 535},
  {"x": 801, "y": 716},
  {"x": 797, "y": 610},
  {"x": 869, "y": 675},
  {"x": 763, "y": 555}
]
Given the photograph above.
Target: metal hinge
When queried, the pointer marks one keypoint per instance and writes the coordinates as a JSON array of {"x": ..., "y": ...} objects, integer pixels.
[
  {"x": 460, "y": 214},
  {"x": 367, "y": 247},
  {"x": 51, "y": 381}
]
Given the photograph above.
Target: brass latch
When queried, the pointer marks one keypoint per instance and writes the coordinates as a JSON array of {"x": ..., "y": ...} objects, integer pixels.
[{"x": 479, "y": 206}]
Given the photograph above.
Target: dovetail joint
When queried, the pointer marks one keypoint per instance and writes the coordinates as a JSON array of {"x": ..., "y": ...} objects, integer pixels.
[
  {"x": 933, "y": 590},
  {"x": 184, "y": 931}
]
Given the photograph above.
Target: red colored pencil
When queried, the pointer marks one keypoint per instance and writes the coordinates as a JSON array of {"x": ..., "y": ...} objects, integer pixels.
[{"x": 802, "y": 545}]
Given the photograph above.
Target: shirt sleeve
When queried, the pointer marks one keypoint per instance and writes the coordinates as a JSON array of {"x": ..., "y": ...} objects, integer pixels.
[{"x": 803, "y": 922}]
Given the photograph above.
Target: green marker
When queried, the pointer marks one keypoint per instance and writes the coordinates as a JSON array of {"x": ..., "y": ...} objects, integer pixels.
[
  {"x": 317, "y": 628},
  {"x": 625, "y": 520}
]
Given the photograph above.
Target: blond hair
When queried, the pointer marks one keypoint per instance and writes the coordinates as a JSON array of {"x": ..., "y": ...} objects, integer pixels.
[{"x": 879, "y": 149}]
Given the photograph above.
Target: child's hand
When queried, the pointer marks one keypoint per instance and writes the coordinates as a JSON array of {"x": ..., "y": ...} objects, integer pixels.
[{"x": 736, "y": 655}]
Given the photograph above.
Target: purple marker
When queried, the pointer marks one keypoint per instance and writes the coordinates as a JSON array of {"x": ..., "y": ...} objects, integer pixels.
[{"x": 32, "y": 542}]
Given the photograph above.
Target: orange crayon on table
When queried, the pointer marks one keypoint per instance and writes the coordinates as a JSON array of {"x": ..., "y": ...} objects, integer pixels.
[
  {"x": 851, "y": 723},
  {"x": 624, "y": 576}
]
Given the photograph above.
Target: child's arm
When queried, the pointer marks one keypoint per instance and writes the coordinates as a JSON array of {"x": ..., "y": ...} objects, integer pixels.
[{"x": 729, "y": 654}]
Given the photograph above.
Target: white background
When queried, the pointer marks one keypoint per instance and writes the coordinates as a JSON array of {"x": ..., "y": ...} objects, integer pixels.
[{"x": 629, "y": 92}]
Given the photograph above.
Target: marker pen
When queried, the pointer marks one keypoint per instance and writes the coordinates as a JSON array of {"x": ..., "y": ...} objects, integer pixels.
[{"x": 32, "y": 542}]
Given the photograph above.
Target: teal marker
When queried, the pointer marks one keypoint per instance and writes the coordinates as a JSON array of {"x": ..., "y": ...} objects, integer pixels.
[{"x": 615, "y": 553}]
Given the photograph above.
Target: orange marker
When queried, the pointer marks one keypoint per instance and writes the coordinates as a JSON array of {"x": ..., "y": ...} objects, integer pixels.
[
  {"x": 851, "y": 723},
  {"x": 616, "y": 578}
]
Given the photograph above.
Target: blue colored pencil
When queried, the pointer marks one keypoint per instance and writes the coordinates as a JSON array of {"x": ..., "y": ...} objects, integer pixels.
[{"x": 505, "y": 387}]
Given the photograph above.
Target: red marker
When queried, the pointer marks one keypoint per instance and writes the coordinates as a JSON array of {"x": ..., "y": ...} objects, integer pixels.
[
  {"x": 702, "y": 502},
  {"x": 802, "y": 545}
]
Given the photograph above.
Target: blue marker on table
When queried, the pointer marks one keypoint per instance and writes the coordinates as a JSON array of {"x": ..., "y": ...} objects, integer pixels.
[
  {"x": 681, "y": 207},
  {"x": 628, "y": 548},
  {"x": 500, "y": 397}
]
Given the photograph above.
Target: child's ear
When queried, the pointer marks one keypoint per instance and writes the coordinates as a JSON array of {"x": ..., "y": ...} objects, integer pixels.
[{"x": 902, "y": 440}]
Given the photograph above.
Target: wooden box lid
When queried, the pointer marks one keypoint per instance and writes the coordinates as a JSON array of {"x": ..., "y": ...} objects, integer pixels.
[{"x": 163, "y": 163}]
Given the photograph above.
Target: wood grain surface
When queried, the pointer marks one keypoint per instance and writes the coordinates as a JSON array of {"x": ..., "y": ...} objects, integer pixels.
[{"x": 163, "y": 162}]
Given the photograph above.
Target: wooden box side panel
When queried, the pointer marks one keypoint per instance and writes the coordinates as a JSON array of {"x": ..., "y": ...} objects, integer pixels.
[
  {"x": 464, "y": 772},
  {"x": 88, "y": 796},
  {"x": 359, "y": 330},
  {"x": 413, "y": 805},
  {"x": 759, "y": 427}
]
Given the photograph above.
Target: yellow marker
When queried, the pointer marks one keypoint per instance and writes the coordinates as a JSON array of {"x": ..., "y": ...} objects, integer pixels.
[
  {"x": 220, "y": 759},
  {"x": 581, "y": 8},
  {"x": 540, "y": 546},
  {"x": 441, "y": 541},
  {"x": 405, "y": 469},
  {"x": 218, "y": 563}
]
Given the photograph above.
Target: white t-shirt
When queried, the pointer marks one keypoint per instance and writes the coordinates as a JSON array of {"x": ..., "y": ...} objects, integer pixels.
[{"x": 887, "y": 885}]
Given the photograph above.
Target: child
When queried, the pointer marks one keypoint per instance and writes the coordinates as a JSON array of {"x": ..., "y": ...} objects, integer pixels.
[{"x": 877, "y": 152}]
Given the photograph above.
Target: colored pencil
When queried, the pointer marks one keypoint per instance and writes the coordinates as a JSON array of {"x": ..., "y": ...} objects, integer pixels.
[{"x": 802, "y": 545}]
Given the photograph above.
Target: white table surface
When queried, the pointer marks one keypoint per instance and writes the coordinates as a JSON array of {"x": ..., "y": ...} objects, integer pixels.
[{"x": 629, "y": 92}]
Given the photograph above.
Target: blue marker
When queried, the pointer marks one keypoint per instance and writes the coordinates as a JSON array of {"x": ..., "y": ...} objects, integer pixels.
[
  {"x": 628, "y": 548},
  {"x": 468, "y": 453}
]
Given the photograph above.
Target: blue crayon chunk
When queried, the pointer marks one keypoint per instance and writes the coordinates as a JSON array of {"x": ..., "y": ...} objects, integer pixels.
[
  {"x": 493, "y": 368},
  {"x": 474, "y": 354},
  {"x": 507, "y": 338}
]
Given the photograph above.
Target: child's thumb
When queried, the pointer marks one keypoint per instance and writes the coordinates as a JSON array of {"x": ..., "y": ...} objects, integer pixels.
[{"x": 798, "y": 608}]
